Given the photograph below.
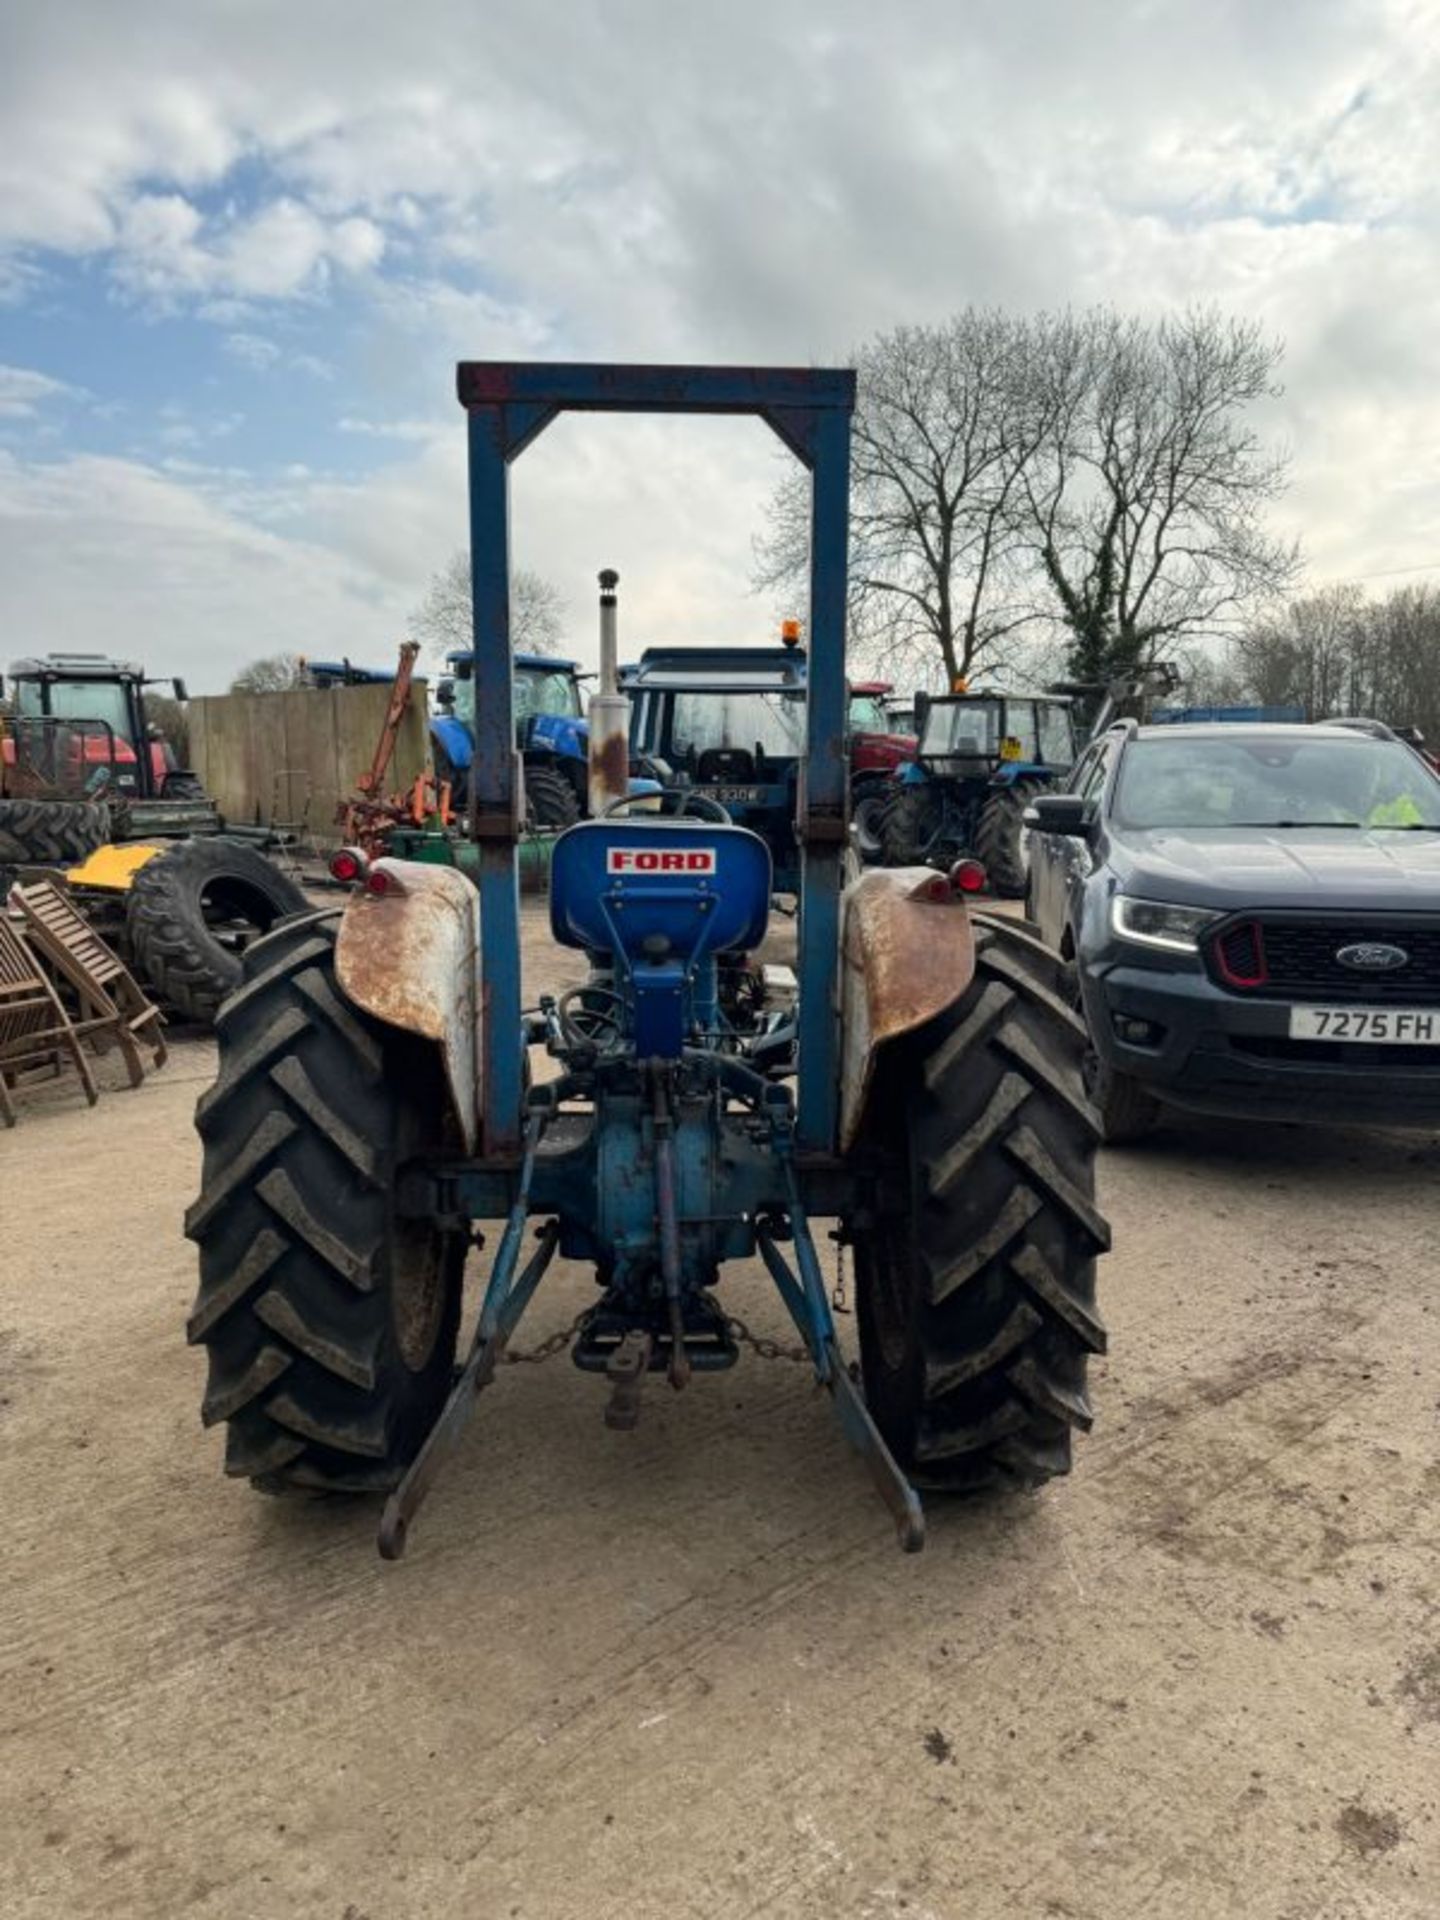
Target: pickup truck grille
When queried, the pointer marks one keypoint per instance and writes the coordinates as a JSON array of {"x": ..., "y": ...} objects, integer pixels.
[{"x": 1295, "y": 959}]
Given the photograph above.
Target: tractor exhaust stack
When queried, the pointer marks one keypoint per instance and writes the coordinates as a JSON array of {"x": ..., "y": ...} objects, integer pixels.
[{"x": 609, "y": 710}]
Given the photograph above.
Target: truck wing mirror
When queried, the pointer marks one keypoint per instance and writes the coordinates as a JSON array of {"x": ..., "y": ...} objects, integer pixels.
[{"x": 1064, "y": 813}]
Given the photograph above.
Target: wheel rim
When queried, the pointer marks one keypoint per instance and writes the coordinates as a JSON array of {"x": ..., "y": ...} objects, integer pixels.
[
  {"x": 417, "y": 1295},
  {"x": 237, "y": 914},
  {"x": 867, "y": 823}
]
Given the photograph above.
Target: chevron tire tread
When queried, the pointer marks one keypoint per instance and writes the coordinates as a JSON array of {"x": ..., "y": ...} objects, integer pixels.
[
  {"x": 51, "y": 833},
  {"x": 975, "y": 1285},
  {"x": 329, "y": 1322},
  {"x": 1000, "y": 838},
  {"x": 549, "y": 798},
  {"x": 176, "y": 949}
]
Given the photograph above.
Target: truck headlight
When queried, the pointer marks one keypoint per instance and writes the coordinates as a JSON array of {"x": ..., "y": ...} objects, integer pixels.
[{"x": 1154, "y": 923}]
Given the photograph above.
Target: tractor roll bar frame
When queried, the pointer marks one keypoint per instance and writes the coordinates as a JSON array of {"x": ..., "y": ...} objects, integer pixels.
[{"x": 509, "y": 404}]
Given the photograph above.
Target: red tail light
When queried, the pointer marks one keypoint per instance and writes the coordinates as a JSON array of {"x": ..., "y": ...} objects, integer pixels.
[
  {"x": 1240, "y": 955},
  {"x": 936, "y": 888},
  {"x": 968, "y": 876},
  {"x": 348, "y": 865},
  {"x": 380, "y": 881}
]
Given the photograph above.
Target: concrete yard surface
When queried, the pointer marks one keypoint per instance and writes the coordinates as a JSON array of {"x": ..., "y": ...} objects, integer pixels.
[{"x": 685, "y": 1672}]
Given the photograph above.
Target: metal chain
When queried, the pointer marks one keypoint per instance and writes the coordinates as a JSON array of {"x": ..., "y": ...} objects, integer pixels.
[
  {"x": 840, "y": 1299},
  {"x": 759, "y": 1344},
  {"x": 547, "y": 1349},
  {"x": 766, "y": 1349}
]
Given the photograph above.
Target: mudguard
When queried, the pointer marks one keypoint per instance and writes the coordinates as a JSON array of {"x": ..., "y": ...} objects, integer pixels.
[
  {"x": 557, "y": 733},
  {"x": 454, "y": 736},
  {"x": 409, "y": 957},
  {"x": 907, "y": 953}
]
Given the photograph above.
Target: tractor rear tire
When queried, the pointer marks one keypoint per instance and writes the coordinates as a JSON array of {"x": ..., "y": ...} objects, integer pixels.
[
  {"x": 975, "y": 1285},
  {"x": 909, "y": 826},
  {"x": 184, "y": 904},
  {"x": 51, "y": 833},
  {"x": 1001, "y": 838},
  {"x": 330, "y": 1320},
  {"x": 549, "y": 799}
]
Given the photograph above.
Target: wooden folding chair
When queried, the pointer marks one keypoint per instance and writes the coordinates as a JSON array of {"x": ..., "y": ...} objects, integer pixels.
[
  {"x": 35, "y": 1030},
  {"x": 112, "y": 1005}
]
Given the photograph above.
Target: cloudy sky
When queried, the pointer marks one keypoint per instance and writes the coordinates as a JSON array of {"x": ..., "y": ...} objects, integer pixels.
[{"x": 242, "y": 244}]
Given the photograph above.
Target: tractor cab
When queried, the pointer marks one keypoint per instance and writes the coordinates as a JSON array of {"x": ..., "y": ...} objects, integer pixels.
[
  {"x": 550, "y": 731},
  {"x": 980, "y": 760},
  {"x": 995, "y": 735},
  {"x": 729, "y": 723},
  {"x": 78, "y": 729}
]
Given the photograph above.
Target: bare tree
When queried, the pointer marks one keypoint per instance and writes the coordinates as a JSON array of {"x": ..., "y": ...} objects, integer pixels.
[
  {"x": 943, "y": 430},
  {"x": 1304, "y": 652},
  {"x": 1395, "y": 664},
  {"x": 445, "y": 621},
  {"x": 1146, "y": 501},
  {"x": 276, "y": 673}
]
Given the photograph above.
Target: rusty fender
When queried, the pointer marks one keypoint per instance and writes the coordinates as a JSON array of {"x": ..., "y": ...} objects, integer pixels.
[
  {"x": 904, "y": 958},
  {"x": 408, "y": 956}
]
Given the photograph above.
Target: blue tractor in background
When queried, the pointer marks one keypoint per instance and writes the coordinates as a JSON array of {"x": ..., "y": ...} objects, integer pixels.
[
  {"x": 376, "y": 1097},
  {"x": 727, "y": 724},
  {"x": 550, "y": 727},
  {"x": 981, "y": 759},
  {"x": 550, "y": 730}
]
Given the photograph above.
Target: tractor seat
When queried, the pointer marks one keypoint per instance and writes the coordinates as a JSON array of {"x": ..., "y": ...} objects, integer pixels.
[
  {"x": 724, "y": 763},
  {"x": 616, "y": 884}
]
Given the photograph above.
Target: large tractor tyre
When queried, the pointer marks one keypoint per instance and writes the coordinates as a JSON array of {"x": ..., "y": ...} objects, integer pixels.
[
  {"x": 51, "y": 833},
  {"x": 909, "y": 827},
  {"x": 330, "y": 1320},
  {"x": 975, "y": 1288},
  {"x": 1002, "y": 840},
  {"x": 549, "y": 799},
  {"x": 193, "y": 911}
]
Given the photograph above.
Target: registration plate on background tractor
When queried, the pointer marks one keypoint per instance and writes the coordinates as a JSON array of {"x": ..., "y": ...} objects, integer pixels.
[{"x": 1396, "y": 1026}]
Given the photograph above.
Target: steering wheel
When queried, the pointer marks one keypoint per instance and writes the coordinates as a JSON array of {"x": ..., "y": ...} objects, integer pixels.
[{"x": 691, "y": 802}]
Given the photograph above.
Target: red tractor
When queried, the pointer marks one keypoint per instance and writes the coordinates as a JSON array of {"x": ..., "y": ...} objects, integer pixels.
[
  {"x": 876, "y": 751},
  {"x": 90, "y": 788}
]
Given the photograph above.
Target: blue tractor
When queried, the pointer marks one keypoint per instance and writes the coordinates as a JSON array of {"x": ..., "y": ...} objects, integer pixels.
[
  {"x": 375, "y": 1096},
  {"x": 981, "y": 759},
  {"x": 550, "y": 730},
  {"x": 726, "y": 723}
]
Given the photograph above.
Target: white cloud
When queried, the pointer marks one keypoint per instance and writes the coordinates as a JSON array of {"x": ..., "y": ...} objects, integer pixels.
[
  {"x": 263, "y": 355},
  {"x": 764, "y": 182},
  {"x": 23, "y": 392},
  {"x": 166, "y": 573},
  {"x": 253, "y": 350},
  {"x": 164, "y": 249}
]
